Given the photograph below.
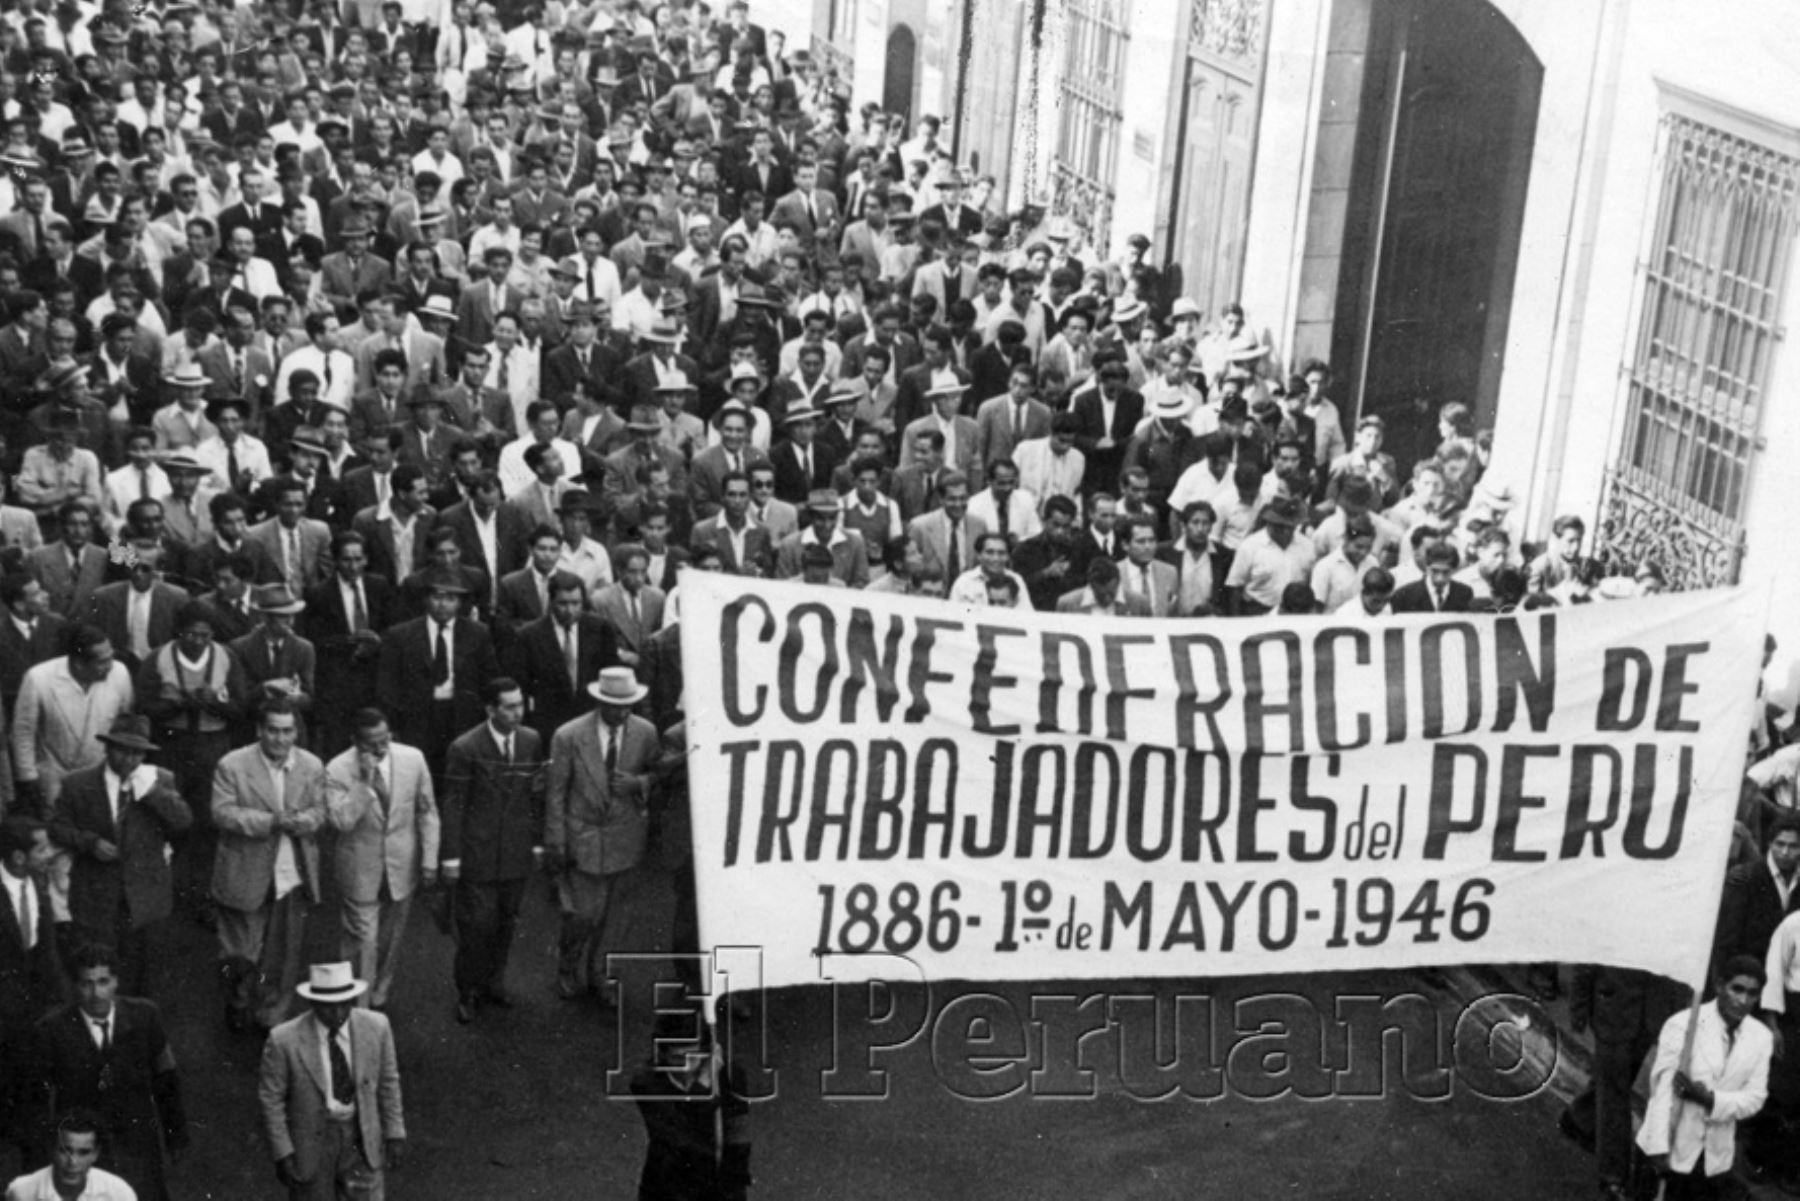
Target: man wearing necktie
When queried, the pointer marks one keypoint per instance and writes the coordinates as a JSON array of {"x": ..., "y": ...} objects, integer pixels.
[
  {"x": 118, "y": 819},
  {"x": 29, "y": 951},
  {"x": 492, "y": 805},
  {"x": 378, "y": 796},
  {"x": 596, "y": 824},
  {"x": 108, "y": 1054},
  {"x": 432, "y": 668}
]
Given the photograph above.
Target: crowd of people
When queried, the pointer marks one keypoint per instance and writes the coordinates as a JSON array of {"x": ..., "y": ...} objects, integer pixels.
[{"x": 371, "y": 373}]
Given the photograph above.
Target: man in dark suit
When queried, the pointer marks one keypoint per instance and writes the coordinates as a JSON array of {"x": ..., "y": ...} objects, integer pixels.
[
  {"x": 1437, "y": 592},
  {"x": 554, "y": 673},
  {"x": 492, "y": 536},
  {"x": 1759, "y": 896},
  {"x": 406, "y": 509},
  {"x": 1100, "y": 441},
  {"x": 31, "y": 979},
  {"x": 432, "y": 669},
  {"x": 33, "y": 635},
  {"x": 493, "y": 817},
  {"x": 343, "y": 620},
  {"x": 116, "y": 819},
  {"x": 802, "y": 465},
  {"x": 107, "y": 1053},
  {"x": 72, "y": 569},
  {"x": 1055, "y": 562},
  {"x": 660, "y": 358},
  {"x": 742, "y": 547}
]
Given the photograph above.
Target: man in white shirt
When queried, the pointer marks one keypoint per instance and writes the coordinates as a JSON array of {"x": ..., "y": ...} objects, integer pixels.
[
  {"x": 71, "y": 1174},
  {"x": 1004, "y": 507},
  {"x": 336, "y": 370},
  {"x": 983, "y": 583},
  {"x": 542, "y": 427},
  {"x": 1052, "y": 466},
  {"x": 236, "y": 460},
  {"x": 139, "y": 479}
]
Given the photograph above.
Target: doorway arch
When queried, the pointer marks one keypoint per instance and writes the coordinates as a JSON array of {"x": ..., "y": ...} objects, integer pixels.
[{"x": 901, "y": 71}]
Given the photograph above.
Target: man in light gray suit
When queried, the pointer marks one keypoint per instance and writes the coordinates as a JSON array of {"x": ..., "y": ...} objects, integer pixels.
[
  {"x": 1015, "y": 416},
  {"x": 73, "y": 569},
  {"x": 378, "y": 798},
  {"x": 946, "y": 536},
  {"x": 329, "y": 1088},
  {"x": 596, "y": 821},
  {"x": 268, "y": 802},
  {"x": 631, "y": 606}
]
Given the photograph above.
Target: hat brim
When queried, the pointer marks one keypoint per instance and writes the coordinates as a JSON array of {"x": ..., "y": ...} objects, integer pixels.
[
  {"x": 298, "y": 606},
  {"x": 357, "y": 988},
  {"x": 637, "y": 694},
  {"x": 130, "y": 742}
]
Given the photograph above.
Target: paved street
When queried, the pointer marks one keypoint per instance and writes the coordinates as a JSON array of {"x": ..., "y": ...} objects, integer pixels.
[{"x": 514, "y": 1107}]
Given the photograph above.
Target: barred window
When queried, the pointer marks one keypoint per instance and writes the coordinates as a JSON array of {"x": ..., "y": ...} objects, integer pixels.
[
  {"x": 1712, "y": 291},
  {"x": 1092, "y": 90}
]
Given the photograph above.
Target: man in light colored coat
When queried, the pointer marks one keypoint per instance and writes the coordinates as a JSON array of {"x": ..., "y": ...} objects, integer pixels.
[
  {"x": 330, "y": 1136},
  {"x": 268, "y": 802},
  {"x": 378, "y": 798},
  {"x": 596, "y": 821}
]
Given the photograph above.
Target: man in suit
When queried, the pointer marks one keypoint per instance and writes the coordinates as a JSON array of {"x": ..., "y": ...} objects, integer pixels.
[
  {"x": 268, "y": 802},
  {"x": 138, "y": 614},
  {"x": 32, "y": 636},
  {"x": 1437, "y": 592},
  {"x": 802, "y": 465},
  {"x": 378, "y": 797},
  {"x": 329, "y": 1087},
  {"x": 107, "y": 1054},
  {"x": 116, "y": 820},
  {"x": 1759, "y": 896},
  {"x": 742, "y": 546},
  {"x": 809, "y": 210},
  {"x": 631, "y": 606},
  {"x": 343, "y": 620},
  {"x": 1108, "y": 417},
  {"x": 31, "y": 975},
  {"x": 596, "y": 823},
  {"x": 962, "y": 437},
  {"x": 432, "y": 669},
  {"x": 72, "y": 569},
  {"x": 849, "y": 554},
  {"x": 583, "y": 358},
  {"x": 733, "y": 453},
  {"x": 353, "y": 271},
  {"x": 493, "y": 808},
  {"x": 1142, "y": 574},
  {"x": 524, "y": 595},
  {"x": 483, "y": 300},
  {"x": 946, "y": 535},
  {"x": 277, "y": 663},
  {"x": 394, "y": 534},
  {"x": 295, "y": 543},
  {"x": 1015, "y": 416},
  {"x": 491, "y": 535},
  {"x": 555, "y": 657},
  {"x": 235, "y": 367},
  {"x": 948, "y": 278}
]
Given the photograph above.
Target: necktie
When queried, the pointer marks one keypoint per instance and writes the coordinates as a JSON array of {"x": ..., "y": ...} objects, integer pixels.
[
  {"x": 736, "y": 463},
  {"x": 1003, "y": 513},
  {"x": 440, "y": 660},
  {"x": 1437, "y": 599},
  {"x": 612, "y": 750},
  {"x": 953, "y": 568},
  {"x": 504, "y": 365},
  {"x": 293, "y": 557},
  {"x": 233, "y": 473},
  {"x": 593, "y": 288},
  {"x": 359, "y": 615},
  {"x": 806, "y": 465},
  {"x": 104, "y": 1027},
  {"x": 631, "y": 607},
  {"x": 143, "y": 483},
  {"x": 571, "y": 659},
  {"x": 125, "y": 799},
  {"x": 812, "y": 213},
  {"x": 1018, "y": 421},
  {"x": 1144, "y": 585},
  {"x": 343, "y": 1087},
  {"x": 506, "y": 749},
  {"x": 37, "y": 233},
  {"x": 27, "y": 916},
  {"x": 327, "y": 375},
  {"x": 379, "y": 786},
  {"x": 237, "y": 374}
]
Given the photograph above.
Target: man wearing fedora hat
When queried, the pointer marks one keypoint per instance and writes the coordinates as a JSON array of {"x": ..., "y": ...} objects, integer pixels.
[
  {"x": 329, "y": 1086},
  {"x": 432, "y": 669},
  {"x": 849, "y": 554},
  {"x": 802, "y": 465},
  {"x": 660, "y": 360},
  {"x": 596, "y": 822},
  {"x": 116, "y": 819},
  {"x": 277, "y": 662}
]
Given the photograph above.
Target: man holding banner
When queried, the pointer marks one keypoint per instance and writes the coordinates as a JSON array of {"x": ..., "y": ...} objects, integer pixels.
[{"x": 1712, "y": 1070}]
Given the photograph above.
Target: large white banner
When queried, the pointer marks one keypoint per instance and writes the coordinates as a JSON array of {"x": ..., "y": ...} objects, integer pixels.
[{"x": 1003, "y": 795}]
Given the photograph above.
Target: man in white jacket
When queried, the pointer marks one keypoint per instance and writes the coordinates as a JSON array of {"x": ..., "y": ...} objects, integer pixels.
[{"x": 1726, "y": 1080}]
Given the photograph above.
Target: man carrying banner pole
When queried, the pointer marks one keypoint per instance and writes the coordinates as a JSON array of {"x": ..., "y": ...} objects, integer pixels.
[{"x": 1711, "y": 1071}]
